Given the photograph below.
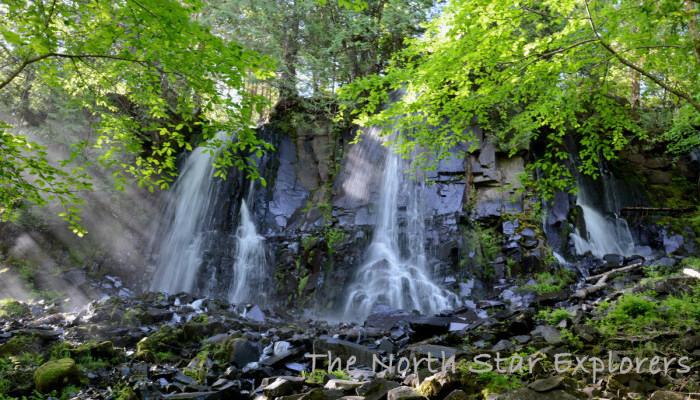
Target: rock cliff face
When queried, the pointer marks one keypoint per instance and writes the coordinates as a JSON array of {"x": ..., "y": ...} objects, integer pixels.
[{"x": 318, "y": 212}]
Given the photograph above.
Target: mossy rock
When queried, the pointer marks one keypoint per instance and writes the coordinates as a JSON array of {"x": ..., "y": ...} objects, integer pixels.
[
  {"x": 102, "y": 350},
  {"x": 56, "y": 374},
  {"x": 17, "y": 382},
  {"x": 13, "y": 309},
  {"x": 21, "y": 344}
]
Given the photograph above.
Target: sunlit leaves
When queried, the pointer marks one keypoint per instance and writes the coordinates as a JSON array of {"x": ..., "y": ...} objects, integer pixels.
[
  {"x": 534, "y": 72},
  {"x": 155, "y": 81}
]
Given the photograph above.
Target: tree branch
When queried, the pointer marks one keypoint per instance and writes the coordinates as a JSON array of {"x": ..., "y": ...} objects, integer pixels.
[
  {"x": 681, "y": 94},
  {"x": 21, "y": 68},
  {"x": 35, "y": 59}
]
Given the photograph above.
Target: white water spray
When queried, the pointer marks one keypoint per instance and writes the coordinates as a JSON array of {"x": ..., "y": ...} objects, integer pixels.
[
  {"x": 394, "y": 272},
  {"x": 249, "y": 270},
  {"x": 605, "y": 234},
  {"x": 180, "y": 252}
]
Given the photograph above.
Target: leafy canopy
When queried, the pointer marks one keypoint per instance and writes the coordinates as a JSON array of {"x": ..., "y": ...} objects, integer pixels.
[
  {"x": 534, "y": 73},
  {"x": 153, "y": 79}
]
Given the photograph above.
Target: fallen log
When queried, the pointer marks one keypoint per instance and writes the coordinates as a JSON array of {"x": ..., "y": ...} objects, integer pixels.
[{"x": 602, "y": 279}]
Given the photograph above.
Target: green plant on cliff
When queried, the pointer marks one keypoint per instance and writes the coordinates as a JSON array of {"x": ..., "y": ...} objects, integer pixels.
[{"x": 548, "y": 282}]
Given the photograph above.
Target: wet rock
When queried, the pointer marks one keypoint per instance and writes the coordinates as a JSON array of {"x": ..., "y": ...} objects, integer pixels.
[
  {"x": 509, "y": 227},
  {"x": 240, "y": 352},
  {"x": 156, "y": 315},
  {"x": 550, "y": 334},
  {"x": 691, "y": 343},
  {"x": 283, "y": 386},
  {"x": 457, "y": 395},
  {"x": 320, "y": 394},
  {"x": 546, "y": 384},
  {"x": 438, "y": 385},
  {"x": 529, "y": 394},
  {"x": 344, "y": 349},
  {"x": 522, "y": 339},
  {"x": 529, "y": 243},
  {"x": 342, "y": 384},
  {"x": 436, "y": 351},
  {"x": 376, "y": 389},
  {"x": 403, "y": 393},
  {"x": 613, "y": 260},
  {"x": 667, "y": 395},
  {"x": 192, "y": 396},
  {"x": 255, "y": 314},
  {"x": 430, "y": 326},
  {"x": 502, "y": 345},
  {"x": 56, "y": 374},
  {"x": 673, "y": 243},
  {"x": 75, "y": 277}
]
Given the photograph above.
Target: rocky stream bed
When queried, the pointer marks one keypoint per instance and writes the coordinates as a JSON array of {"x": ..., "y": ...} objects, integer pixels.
[{"x": 151, "y": 346}]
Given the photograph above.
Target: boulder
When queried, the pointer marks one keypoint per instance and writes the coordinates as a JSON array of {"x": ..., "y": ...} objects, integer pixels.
[
  {"x": 457, "y": 395},
  {"x": 56, "y": 374},
  {"x": 550, "y": 334},
  {"x": 239, "y": 352},
  {"x": 667, "y": 395},
  {"x": 529, "y": 394},
  {"x": 546, "y": 384},
  {"x": 342, "y": 384},
  {"x": 344, "y": 349},
  {"x": 283, "y": 386},
  {"x": 376, "y": 389},
  {"x": 438, "y": 385},
  {"x": 403, "y": 393}
]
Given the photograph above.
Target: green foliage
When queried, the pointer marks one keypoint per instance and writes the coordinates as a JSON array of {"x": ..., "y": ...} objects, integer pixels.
[
  {"x": 490, "y": 381},
  {"x": 151, "y": 96},
  {"x": 198, "y": 368},
  {"x": 571, "y": 339},
  {"x": 319, "y": 44},
  {"x": 13, "y": 309},
  {"x": 547, "y": 282},
  {"x": 320, "y": 376},
  {"x": 635, "y": 314},
  {"x": 334, "y": 236},
  {"x": 535, "y": 72},
  {"x": 303, "y": 281},
  {"x": 553, "y": 317}
]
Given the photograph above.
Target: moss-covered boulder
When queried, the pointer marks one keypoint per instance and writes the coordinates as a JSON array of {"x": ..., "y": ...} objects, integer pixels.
[
  {"x": 97, "y": 350},
  {"x": 56, "y": 374},
  {"x": 23, "y": 343},
  {"x": 237, "y": 351},
  {"x": 13, "y": 309}
]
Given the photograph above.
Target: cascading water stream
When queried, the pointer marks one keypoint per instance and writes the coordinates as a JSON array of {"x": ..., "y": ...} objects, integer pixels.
[
  {"x": 394, "y": 273},
  {"x": 606, "y": 233},
  {"x": 250, "y": 265},
  {"x": 180, "y": 252}
]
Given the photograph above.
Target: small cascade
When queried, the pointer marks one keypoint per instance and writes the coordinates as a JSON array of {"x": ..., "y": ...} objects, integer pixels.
[
  {"x": 179, "y": 254},
  {"x": 394, "y": 273},
  {"x": 250, "y": 263},
  {"x": 605, "y": 231}
]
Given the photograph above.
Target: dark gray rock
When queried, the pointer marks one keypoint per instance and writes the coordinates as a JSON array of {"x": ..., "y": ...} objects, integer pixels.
[
  {"x": 673, "y": 243},
  {"x": 550, "y": 334},
  {"x": 343, "y": 349},
  {"x": 283, "y": 386},
  {"x": 529, "y": 394},
  {"x": 546, "y": 384},
  {"x": 376, "y": 389}
]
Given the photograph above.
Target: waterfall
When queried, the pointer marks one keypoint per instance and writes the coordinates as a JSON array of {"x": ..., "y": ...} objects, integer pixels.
[
  {"x": 249, "y": 269},
  {"x": 605, "y": 231},
  {"x": 180, "y": 252},
  {"x": 394, "y": 272}
]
